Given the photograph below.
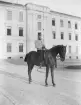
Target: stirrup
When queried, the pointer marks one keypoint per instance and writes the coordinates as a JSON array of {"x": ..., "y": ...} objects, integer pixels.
[{"x": 40, "y": 64}]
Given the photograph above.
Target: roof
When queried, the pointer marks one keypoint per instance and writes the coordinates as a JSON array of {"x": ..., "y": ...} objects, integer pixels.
[
  {"x": 10, "y": 3},
  {"x": 37, "y": 5},
  {"x": 65, "y": 14}
]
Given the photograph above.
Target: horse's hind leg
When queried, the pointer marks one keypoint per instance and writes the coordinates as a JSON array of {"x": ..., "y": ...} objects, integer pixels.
[
  {"x": 52, "y": 75},
  {"x": 47, "y": 71},
  {"x": 30, "y": 67}
]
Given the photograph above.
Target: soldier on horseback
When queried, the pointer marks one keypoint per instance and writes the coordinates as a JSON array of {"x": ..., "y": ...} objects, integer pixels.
[{"x": 39, "y": 45}]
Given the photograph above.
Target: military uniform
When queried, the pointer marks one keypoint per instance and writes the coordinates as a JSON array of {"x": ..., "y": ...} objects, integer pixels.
[{"x": 39, "y": 44}]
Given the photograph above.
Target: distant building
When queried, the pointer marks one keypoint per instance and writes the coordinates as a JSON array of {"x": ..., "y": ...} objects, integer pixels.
[{"x": 20, "y": 26}]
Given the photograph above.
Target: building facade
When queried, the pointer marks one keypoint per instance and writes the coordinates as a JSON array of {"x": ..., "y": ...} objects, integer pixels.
[
  {"x": 67, "y": 30},
  {"x": 22, "y": 24},
  {"x": 12, "y": 29}
]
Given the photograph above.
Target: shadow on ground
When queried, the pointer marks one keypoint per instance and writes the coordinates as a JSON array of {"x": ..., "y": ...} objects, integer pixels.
[
  {"x": 16, "y": 61},
  {"x": 73, "y": 67}
]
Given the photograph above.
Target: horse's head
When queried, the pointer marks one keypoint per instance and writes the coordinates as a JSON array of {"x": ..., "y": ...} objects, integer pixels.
[{"x": 62, "y": 52}]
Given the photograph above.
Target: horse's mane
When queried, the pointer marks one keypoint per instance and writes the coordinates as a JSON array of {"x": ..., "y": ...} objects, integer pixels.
[{"x": 54, "y": 48}]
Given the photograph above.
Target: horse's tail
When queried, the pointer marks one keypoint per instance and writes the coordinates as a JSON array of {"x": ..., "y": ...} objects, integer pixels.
[{"x": 26, "y": 57}]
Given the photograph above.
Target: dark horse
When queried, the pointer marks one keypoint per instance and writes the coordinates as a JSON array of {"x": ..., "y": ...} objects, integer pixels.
[{"x": 33, "y": 58}]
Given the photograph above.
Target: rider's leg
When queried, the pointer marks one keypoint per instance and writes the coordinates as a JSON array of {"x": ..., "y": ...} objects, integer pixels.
[{"x": 41, "y": 58}]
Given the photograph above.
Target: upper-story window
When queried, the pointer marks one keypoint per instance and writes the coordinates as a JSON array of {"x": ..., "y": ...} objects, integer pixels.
[
  {"x": 39, "y": 35},
  {"x": 54, "y": 34},
  {"x": 76, "y": 49},
  {"x": 76, "y": 37},
  {"x": 62, "y": 35},
  {"x": 69, "y": 49},
  {"x": 38, "y": 16},
  {"x": 69, "y": 36},
  {"x": 9, "y": 15},
  {"x": 9, "y": 29},
  {"x": 53, "y": 22},
  {"x": 20, "y": 47},
  {"x": 76, "y": 26},
  {"x": 21, "y": 16},
  {"x": 20, "y": 31},
  {"x": 61, "y": 23},
  {"x": 39, "y": 26},
  {"x": 69, "y": 24},
  {"x": 9, "y": 47}
]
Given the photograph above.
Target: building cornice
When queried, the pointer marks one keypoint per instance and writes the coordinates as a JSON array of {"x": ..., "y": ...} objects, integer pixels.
[
  {"x": 11, "y": 3},
  {"x": 64, "y": 14}
]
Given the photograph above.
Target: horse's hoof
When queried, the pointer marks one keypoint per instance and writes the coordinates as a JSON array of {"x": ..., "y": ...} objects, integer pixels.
[
  {"x": 54, "y": 84},
  {"x": 46, "y": 85},
  {"x": 29, "y": 82}
]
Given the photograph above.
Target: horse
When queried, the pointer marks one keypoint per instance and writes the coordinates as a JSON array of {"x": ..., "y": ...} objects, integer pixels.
[{"x": 33, "y": 58}]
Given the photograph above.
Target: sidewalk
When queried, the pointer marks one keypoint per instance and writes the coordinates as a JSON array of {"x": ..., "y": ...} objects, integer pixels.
[{"x": 15, "y": 69}]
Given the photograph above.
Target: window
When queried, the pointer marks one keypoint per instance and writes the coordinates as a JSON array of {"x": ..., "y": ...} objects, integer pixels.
[
  {"x": 61, "y": 23},
  {"x": 9, "y": 31},
  {"x": 69, "y": 36},
  {"x": 20, "y": 47},
  {"x": 39, "y": 35},
  {"x": 69, "y": 49},
  {"x": 76, "y": 37},
  {"x": 76, "y": 49},
  {"x": 54, "y": 34},
  {"x": 21, "y": 16},
  {"x": 39, "y": 25},
  {"x": 8, "y": 47},
  {"x": 76, "y": 26},
  {"x": 62, "y": 35},
  {"x": 20, "y": 31},
  {"x": 69, "y": 24},
  {"x": 9, "y": 15},
  {"x": 53, "y": 22},
  {"x": 38, "y": 16}
]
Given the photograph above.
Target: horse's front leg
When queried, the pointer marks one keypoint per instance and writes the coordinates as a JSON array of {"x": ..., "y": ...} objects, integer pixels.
[
  {"x": 52, "y": 75},
  {"x": 55, "y": 62},
  {"x": 47, "y": 72}
]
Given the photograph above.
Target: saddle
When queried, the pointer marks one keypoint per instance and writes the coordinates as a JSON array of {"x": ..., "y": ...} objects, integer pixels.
[{"x": 41, "y": 54}]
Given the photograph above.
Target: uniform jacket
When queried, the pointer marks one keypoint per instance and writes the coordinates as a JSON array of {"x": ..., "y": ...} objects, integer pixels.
[{"x": 39, "y": 44}]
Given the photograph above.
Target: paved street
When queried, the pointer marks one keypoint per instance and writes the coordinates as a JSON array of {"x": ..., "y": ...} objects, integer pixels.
[{"x": 15, "y": 90}]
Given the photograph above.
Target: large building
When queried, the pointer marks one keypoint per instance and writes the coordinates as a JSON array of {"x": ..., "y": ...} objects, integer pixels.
[{"x": 20, "y": 26}]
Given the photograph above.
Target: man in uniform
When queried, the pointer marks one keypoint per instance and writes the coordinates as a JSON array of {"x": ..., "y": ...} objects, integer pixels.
[{"x": 39, "y": 44}]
